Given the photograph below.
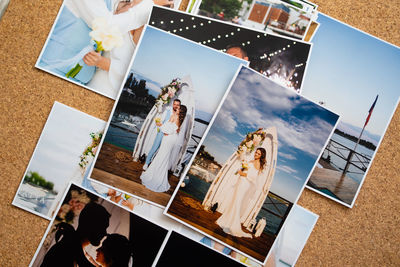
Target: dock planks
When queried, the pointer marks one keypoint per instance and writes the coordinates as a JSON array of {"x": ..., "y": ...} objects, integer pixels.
[
  {"x": 125, "y": 174},
  {"x": 256, "y": 247}
]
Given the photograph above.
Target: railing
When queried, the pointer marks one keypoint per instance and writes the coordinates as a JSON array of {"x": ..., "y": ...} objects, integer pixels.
[
  {"x": 274, "y": 208},
  {"x": 351, "y": 157}
]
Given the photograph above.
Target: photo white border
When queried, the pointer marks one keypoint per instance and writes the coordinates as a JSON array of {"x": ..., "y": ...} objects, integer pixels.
[
  {"x": 55, "y": 105},
  {"x": 119, "y": 95},
  {"x": 101, "y": 197},
  {"x": 55, "y": 74},
  {"x": 382, "y": 136},
  {"x": 201, "y": 142},
  {"x": 245, "y": 28}
]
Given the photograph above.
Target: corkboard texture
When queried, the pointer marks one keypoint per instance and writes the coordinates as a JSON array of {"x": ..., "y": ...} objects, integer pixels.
[{"x": 366, "y": 235}]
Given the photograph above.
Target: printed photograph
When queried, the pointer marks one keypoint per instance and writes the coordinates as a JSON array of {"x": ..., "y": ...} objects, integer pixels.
[
  {"x": 91, "y": 231},
  {"x": 92, "y": 42},
  {"x": 252, "y": 165},
  {"x": 167, "y": 101},
  {"x": 271, "y": 16},
  {"x": 190, "y": 253},
  {"x": 353, "y": 74},
  {"x": 285, "y": 251},
  {"x": 283, "y": 60},
  {"x": 65, "y": 148}
]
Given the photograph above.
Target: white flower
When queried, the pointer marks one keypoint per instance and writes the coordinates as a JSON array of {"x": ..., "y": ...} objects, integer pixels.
[
  {"x": 106, "y": 33},
  {"x": 256, "y": 139}
]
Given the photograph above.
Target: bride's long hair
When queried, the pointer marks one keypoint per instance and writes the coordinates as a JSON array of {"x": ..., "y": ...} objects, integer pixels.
[
  {"x": 263, "y": 160},
  {"x": 182, "y": 114}
]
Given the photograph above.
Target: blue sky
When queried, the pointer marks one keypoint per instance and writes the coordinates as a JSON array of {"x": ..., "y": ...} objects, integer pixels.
[
  {"x": 64, "y": 138},
  {"x": 347, "y": 69},
  {"x": 162, "y": 57},
  {"x": 302, "y": 126}
]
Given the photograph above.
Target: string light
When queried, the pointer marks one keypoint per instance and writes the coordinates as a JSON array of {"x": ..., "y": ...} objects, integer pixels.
[
  {"x": 161, "y": 22},
  {"x": 192, "y": 18},
  {"x": 152, "y": 23},
  {"x": 172, "y": 21},
  {"x": 194, "y": 26},
  {"x": 181, "y": 20}
]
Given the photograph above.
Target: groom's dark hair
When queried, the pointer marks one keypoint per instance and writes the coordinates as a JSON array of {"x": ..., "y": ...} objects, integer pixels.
[
  {"x": 177, "y": 100},
  {"x": 93, "y": 222}
]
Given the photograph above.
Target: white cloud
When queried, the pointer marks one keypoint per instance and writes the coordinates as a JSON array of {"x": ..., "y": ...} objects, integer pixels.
[
  {"x": 241, "y": 107},
  {"x": 286, "y": 156},
  {"x": 286, "y": 169},
  {"x": 226, "y": 121}
]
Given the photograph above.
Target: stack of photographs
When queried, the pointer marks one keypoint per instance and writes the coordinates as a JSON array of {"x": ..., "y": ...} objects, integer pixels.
[{"x": 222, "y": 116}]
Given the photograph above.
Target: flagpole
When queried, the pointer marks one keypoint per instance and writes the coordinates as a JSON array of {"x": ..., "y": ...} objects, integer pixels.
[{"x": 359, "y": 138}]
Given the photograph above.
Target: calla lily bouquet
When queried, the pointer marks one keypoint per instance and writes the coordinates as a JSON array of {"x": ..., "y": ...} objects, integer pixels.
[{"x": 105, "y": 35}]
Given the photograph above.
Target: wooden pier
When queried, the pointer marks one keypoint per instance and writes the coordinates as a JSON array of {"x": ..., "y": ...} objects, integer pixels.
[
  {"x": 195, "y": 215},
  {"x": 342, "y": 186},
  {"x": 115, "y": 167}
]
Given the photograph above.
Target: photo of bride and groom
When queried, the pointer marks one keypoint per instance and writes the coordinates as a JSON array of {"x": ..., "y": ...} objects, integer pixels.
[
  {"x": 162, "y": 112},
  {"x": 92, "y": 42},
  {"x": 251, "y": 167},
  {"x": 97, "y": 233},
  {"x": 160, "y": 156}
]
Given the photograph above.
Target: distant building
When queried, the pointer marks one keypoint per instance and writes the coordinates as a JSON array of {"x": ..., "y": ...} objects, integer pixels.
[{"x": 278, "y": 13}]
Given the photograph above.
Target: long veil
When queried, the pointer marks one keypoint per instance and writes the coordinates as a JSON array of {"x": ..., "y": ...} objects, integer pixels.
[{"x": 226, "y": 179}]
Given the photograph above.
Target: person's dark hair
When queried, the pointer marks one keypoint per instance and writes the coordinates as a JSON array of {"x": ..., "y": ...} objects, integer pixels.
[
  {"x": 93, "y": 222},
  {"x": 117, "y": 250},
  {"x": 244, "y": 53},
  {"x": 182, "y": 114},
  {"x": 177, "y": 100},
  {"x": 263, "y": 160}
]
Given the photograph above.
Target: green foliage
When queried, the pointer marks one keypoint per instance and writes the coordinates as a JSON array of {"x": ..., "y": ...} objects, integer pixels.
[
  {"x": 229, "y": 7},
  {"x": 36, "y": 179}
]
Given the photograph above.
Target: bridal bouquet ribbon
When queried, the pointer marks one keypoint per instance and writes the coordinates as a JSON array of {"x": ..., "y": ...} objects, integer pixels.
[
  {"x": 251, "y": 141},
  {"x": 105, "y": 35}
]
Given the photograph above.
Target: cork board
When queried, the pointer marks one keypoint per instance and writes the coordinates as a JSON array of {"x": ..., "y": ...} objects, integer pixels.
[{"x": 368, "y": 234}]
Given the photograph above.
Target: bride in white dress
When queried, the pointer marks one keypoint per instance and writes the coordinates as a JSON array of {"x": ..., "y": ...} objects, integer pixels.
[
  {"x": 155, "y": 177},
  {"x": 230, "y": 220}
]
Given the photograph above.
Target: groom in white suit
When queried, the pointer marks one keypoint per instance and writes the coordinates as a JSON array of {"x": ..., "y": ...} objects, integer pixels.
[{"x": 157, "y": 142}]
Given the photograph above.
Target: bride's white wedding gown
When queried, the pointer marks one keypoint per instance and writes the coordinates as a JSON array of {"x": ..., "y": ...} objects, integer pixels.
[
  {"x": 230, "y": 220},
  {"x": 155, "y": 177}
]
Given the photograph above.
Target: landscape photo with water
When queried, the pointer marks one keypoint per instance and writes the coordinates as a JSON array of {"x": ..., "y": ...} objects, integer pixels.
[
  {"x": 252, "y": 165},
  {"x": 140, "y": 154},
  {"x": 61, "y": 155},
  {"x": 353, "y": 74}
]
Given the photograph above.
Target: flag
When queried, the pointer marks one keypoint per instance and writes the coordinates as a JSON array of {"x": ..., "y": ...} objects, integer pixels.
[{"x": 370, "y": 111}]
